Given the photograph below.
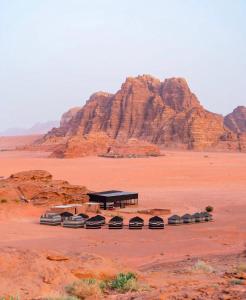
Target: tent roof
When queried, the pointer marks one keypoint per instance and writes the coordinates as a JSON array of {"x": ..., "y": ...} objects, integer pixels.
[
  {"x": 197, "y": 215},
  {"x": 156, "y": 218},
  {"x": 186, "y": 216},
  {"x": 174, "y": 217},
  {"x": 116, "y": 219},
  {"x": 83, "y": 216},
  {"x": 96, "y": 218},
  {"x": 66, "y": 214},
  {"x": 136, "y": 219}
]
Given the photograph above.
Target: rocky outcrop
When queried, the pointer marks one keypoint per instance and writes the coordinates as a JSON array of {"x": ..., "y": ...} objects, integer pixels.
[
  {"x": 132, "y": 148},
  {"x": 165, "y": 113},
  {"x": 39, "y": 188},
  {"x": 68, "y": 116},
  {"x": 236, "y": 121}
]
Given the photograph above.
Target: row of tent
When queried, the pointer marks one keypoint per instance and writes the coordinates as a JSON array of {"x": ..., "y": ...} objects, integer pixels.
[
  {"x": 187, "y": 218},
  {"x": 67, "y": 219}
]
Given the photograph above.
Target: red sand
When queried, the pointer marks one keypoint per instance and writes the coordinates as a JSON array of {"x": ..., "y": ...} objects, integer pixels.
[{"x": 181, "y": 181}]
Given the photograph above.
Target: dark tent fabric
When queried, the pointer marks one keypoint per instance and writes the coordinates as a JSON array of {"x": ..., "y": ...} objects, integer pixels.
[
  {"x": 116, "y": 219},
  {"x": 207, "y": 216},
  {"x": 197, "y": 215},
  {"x": 83, "y": 216},
  {"x": 115, "y": 223},
  {"x": 156, "y": 223},
  {"x": 186, "y": 216},
  {"x": 66, "y": 214},
  {"x": 95, "y": 222},
  {"x": 136, "y": 219},
  {"x": 174, "y": 220},
  {"x": 156, "y": 219},
  {"x": 99, "y": 218},
  {"x": 174, "y": 217},
  {"x": 136, "y": 223}
]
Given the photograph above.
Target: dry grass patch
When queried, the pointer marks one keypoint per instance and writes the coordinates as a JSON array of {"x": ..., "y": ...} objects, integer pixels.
[{"x": 202, "y": 266}]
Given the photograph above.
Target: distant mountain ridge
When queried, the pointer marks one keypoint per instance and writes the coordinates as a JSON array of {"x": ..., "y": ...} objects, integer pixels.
[
  {"x": 38, "y": 128},
  {"x": 165, "y": 113}
]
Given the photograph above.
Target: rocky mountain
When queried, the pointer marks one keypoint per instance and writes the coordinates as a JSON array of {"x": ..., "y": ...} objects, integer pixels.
[
  {"x": 236, "y": 121},
  {"x": 165, "y": 113},
  {"x": 38, "y": 128}
]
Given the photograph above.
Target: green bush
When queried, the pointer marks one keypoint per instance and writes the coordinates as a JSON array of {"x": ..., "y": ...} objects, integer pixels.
[
  {"x": 237, "y": 281},
  {"x": 209, "y": 208},
  {"x": 124, "y": 282}
]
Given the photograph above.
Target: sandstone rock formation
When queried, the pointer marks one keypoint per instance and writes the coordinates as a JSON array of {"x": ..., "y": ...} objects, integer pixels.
[
  {"x": 39, "y": 188},
  {"x": 165, "y": 113},
  {"x": 236, "y": 121}
]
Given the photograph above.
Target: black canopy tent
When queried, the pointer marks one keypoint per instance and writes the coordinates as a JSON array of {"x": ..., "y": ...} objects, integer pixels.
[{"x": 119, "y": 198}]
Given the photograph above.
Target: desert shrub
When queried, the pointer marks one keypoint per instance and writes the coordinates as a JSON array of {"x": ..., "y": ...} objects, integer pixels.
[
  {"x": 85, "y": 288},
  {"x": 209, "y": 208},
  {"x": 3, "y": 201},
  {"x": 237, "y": 281},
  {"x": 124, "y": 282},
  {"x": 200, "y": 265},
  {"x": 241, "y": 268}
]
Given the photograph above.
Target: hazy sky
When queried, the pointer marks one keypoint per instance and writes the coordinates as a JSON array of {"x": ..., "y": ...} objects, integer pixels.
[{"x": 55, "y": 53}]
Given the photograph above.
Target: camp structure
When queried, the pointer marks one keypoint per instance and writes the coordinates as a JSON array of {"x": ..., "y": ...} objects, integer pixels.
[
  {"x": 136, "y": 223},
  {"x": 72, "y": 208},
  {"x": 174, "y": 220},
  {"x": 50, "y": 219},
  {"x": 198, "y": 217},
  {"x": 111, "y": 199},
  {"x": 207, "y": 216},
  {"x": 156, "y": 223},
  {"x": 115, "y": 223},
  {"x": 187, "y": 219},
  {"x": 95, "y": 222},
  {"x": 65, "y": 215},
  {"x": 74, "y": 222}
]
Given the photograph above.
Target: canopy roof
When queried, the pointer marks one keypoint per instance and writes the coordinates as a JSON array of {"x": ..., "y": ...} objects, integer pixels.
[{"x": 112, "y": 195}]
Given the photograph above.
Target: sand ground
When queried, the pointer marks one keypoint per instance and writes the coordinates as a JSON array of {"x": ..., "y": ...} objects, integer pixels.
[
  {"x": 181, "y": 181},
  {"x": 165, "y": 259}
]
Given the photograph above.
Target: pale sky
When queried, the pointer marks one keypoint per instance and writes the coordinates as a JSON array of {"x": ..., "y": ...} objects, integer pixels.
[{"x": 55, "y": 53}]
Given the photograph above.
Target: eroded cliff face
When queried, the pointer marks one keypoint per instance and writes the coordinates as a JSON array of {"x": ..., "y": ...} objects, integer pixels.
[
  {"x": 165, "y": 113},
  {"x": 236, "y": 121}
]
